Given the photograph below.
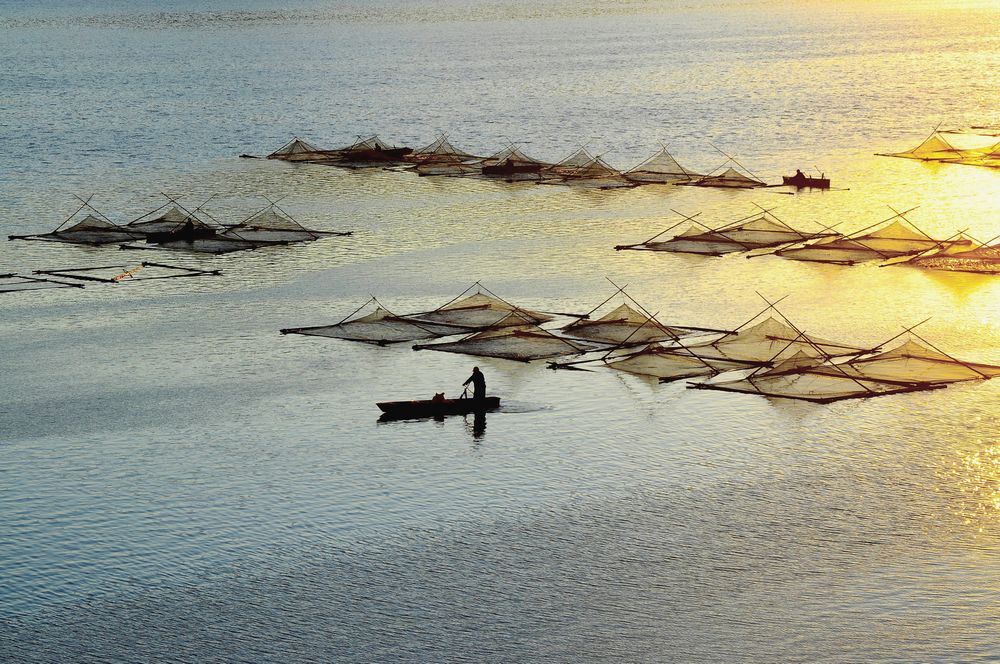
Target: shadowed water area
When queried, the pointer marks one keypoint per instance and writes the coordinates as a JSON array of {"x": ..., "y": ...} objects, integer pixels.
[{"x": 180, "y": 482}]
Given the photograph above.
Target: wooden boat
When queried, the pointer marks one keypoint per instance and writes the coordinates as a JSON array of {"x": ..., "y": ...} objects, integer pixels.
[
  {"x": 377, "y": 154},
  {"x": 398, "y": 410},
  {"x": 803, "y": 181},
  {"x": 511, "y": 168}
]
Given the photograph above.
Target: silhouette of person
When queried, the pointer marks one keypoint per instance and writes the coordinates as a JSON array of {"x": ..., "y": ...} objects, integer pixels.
[
  {"x": 799, "y": 175},
  {"x": 478, "y": 381}
]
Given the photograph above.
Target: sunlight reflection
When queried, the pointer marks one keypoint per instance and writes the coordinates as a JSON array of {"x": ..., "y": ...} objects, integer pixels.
[{"x": 977, "y": 477}]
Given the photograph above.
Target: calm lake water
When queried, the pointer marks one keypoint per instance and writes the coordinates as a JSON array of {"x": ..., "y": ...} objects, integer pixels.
[{"x": 178, "y": 482}]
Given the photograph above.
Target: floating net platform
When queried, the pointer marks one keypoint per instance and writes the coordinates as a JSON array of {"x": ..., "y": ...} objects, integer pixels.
[
  {"x": 913, "y": 365},
  {"x": 379, "y": 326},
  {"x": 672, "y": 363},
  {"x": 981, "y": 259},
  {"x": 769, "y": 341},
  {"x": 299, "y": 150},
  {"x": 16, "y": 283},
  {"x": 937, "y": 147},
  {"x": 759, "y": 230},
  {"x": 367, "y": 153},
  {"x": 167, "y": 218},
  {"x": 440, "y": 150},
  {"x": 581, "y": 169},
  {"x": 804, "y": 384},
  {"x": 914, "y": 361},
  {"x": 623, "y": 324},
  {"x": 127, "y": 273},
  {"x": 272, "y": 225},
  {"x": 728, "y": 176},
  {"x": 513, "y": 165},
  {"x": 892, "y": 240},
  {"x": 661, "y": 168},
  {"x": 86, "y": 225},
  {"x": 514, "y": 338},
  {"x": 479, "y": 310}
]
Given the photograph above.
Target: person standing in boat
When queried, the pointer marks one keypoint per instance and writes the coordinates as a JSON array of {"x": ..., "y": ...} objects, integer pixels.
[{"x": 478, "y": 381}]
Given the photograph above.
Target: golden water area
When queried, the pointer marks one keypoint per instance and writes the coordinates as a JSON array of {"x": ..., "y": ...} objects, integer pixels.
[{"x": 180, "y": 482}]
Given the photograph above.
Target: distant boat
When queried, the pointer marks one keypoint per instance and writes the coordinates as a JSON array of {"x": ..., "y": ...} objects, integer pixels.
[
  {"x": 511, "y": 167},
  {"x": 802, "y": 181},
  {"x": 398, "y": 410}
]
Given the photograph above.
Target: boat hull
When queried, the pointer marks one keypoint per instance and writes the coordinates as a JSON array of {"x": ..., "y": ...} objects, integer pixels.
[
  {"x": 429, "y": 408},
  {"x": 803, "y": 182}
]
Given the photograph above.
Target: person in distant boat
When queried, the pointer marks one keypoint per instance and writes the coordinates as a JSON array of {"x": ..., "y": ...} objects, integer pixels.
[
  {"x": 478, "y": 381},
  {"x": 799, "y": 175}
]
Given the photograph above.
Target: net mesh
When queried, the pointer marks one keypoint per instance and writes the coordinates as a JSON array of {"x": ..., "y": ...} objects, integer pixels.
[
  {"x": 165, "y": 222},
  {"x": 441, "y": 149},
  {"x": 370, "y": 143},
  {"x": 913, "y": 362},
  {"x": 380, "y": 326},
  {"x": 938, "y": 148},
  {"x": 89, "y": 230},
  {"x": 592, "y": 173},
  {"x": 809, "y": 386},
  {"x": 270, "y": 226},
  {"x": 891, "y": 241},
  {"x": 729, "y": 178},
  {"x": 770, "y": 340},
  {"x": 516, "y": 340},
  {"x": 296, "y": 148},
  {"x": 755, "y": 232},
  {"x": 476, "y": 311},
  {"x": 620, "y": 325},
  {"x": 982, "y": 259},
  {"x": 668, "y": 364},
  {"x": 934, "y": 147},
  {"x": 660, "y": 168}
]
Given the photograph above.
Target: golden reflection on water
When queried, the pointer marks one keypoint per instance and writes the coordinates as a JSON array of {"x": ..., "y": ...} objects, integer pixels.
[{"x": 975, "y": 476}]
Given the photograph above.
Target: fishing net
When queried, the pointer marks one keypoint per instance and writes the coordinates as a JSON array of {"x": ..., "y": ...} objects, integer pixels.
[
  {"x": 440, "y": 150},
  {"x": 620, "y": 325},
  {"x": 380, "y": 326},
  {"x": 366, "y": 153},
  {"x": 770, "y": 340},
  {"x": 934, "y": 148},
  {"x": 757, "y": 231},
  {"x": 661, "y": 168},
  {"x": 890, "y": 241},
  {"x": 982, "y": 260},
  {"x": 88, "y": 230},
  {"x": 913, "y": 362},
  {"x": 514, "y": 339},
  {"x": 204, "y": 245},
  {"x": 911, "y": 366},
  {"x": 938, "y": 148},
  {"x": 166, "y": 219},
  {"x": 512, "y": 164},
  {"x": 594, "y": 173},
  {"x": 669, "y": 364},
  {"x": 270, "y": 225},
  {"x": 727, "y": 179},
  {"x": 809, "y": 386},
  {"x": 297, "y": 150},
  {"x": 477, "y": 311}
]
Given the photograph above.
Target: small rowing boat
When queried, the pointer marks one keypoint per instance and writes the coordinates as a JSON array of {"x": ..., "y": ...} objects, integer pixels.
[
  {"x": 399, "y": 410},
  {"x": 803, "y": 181}
]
